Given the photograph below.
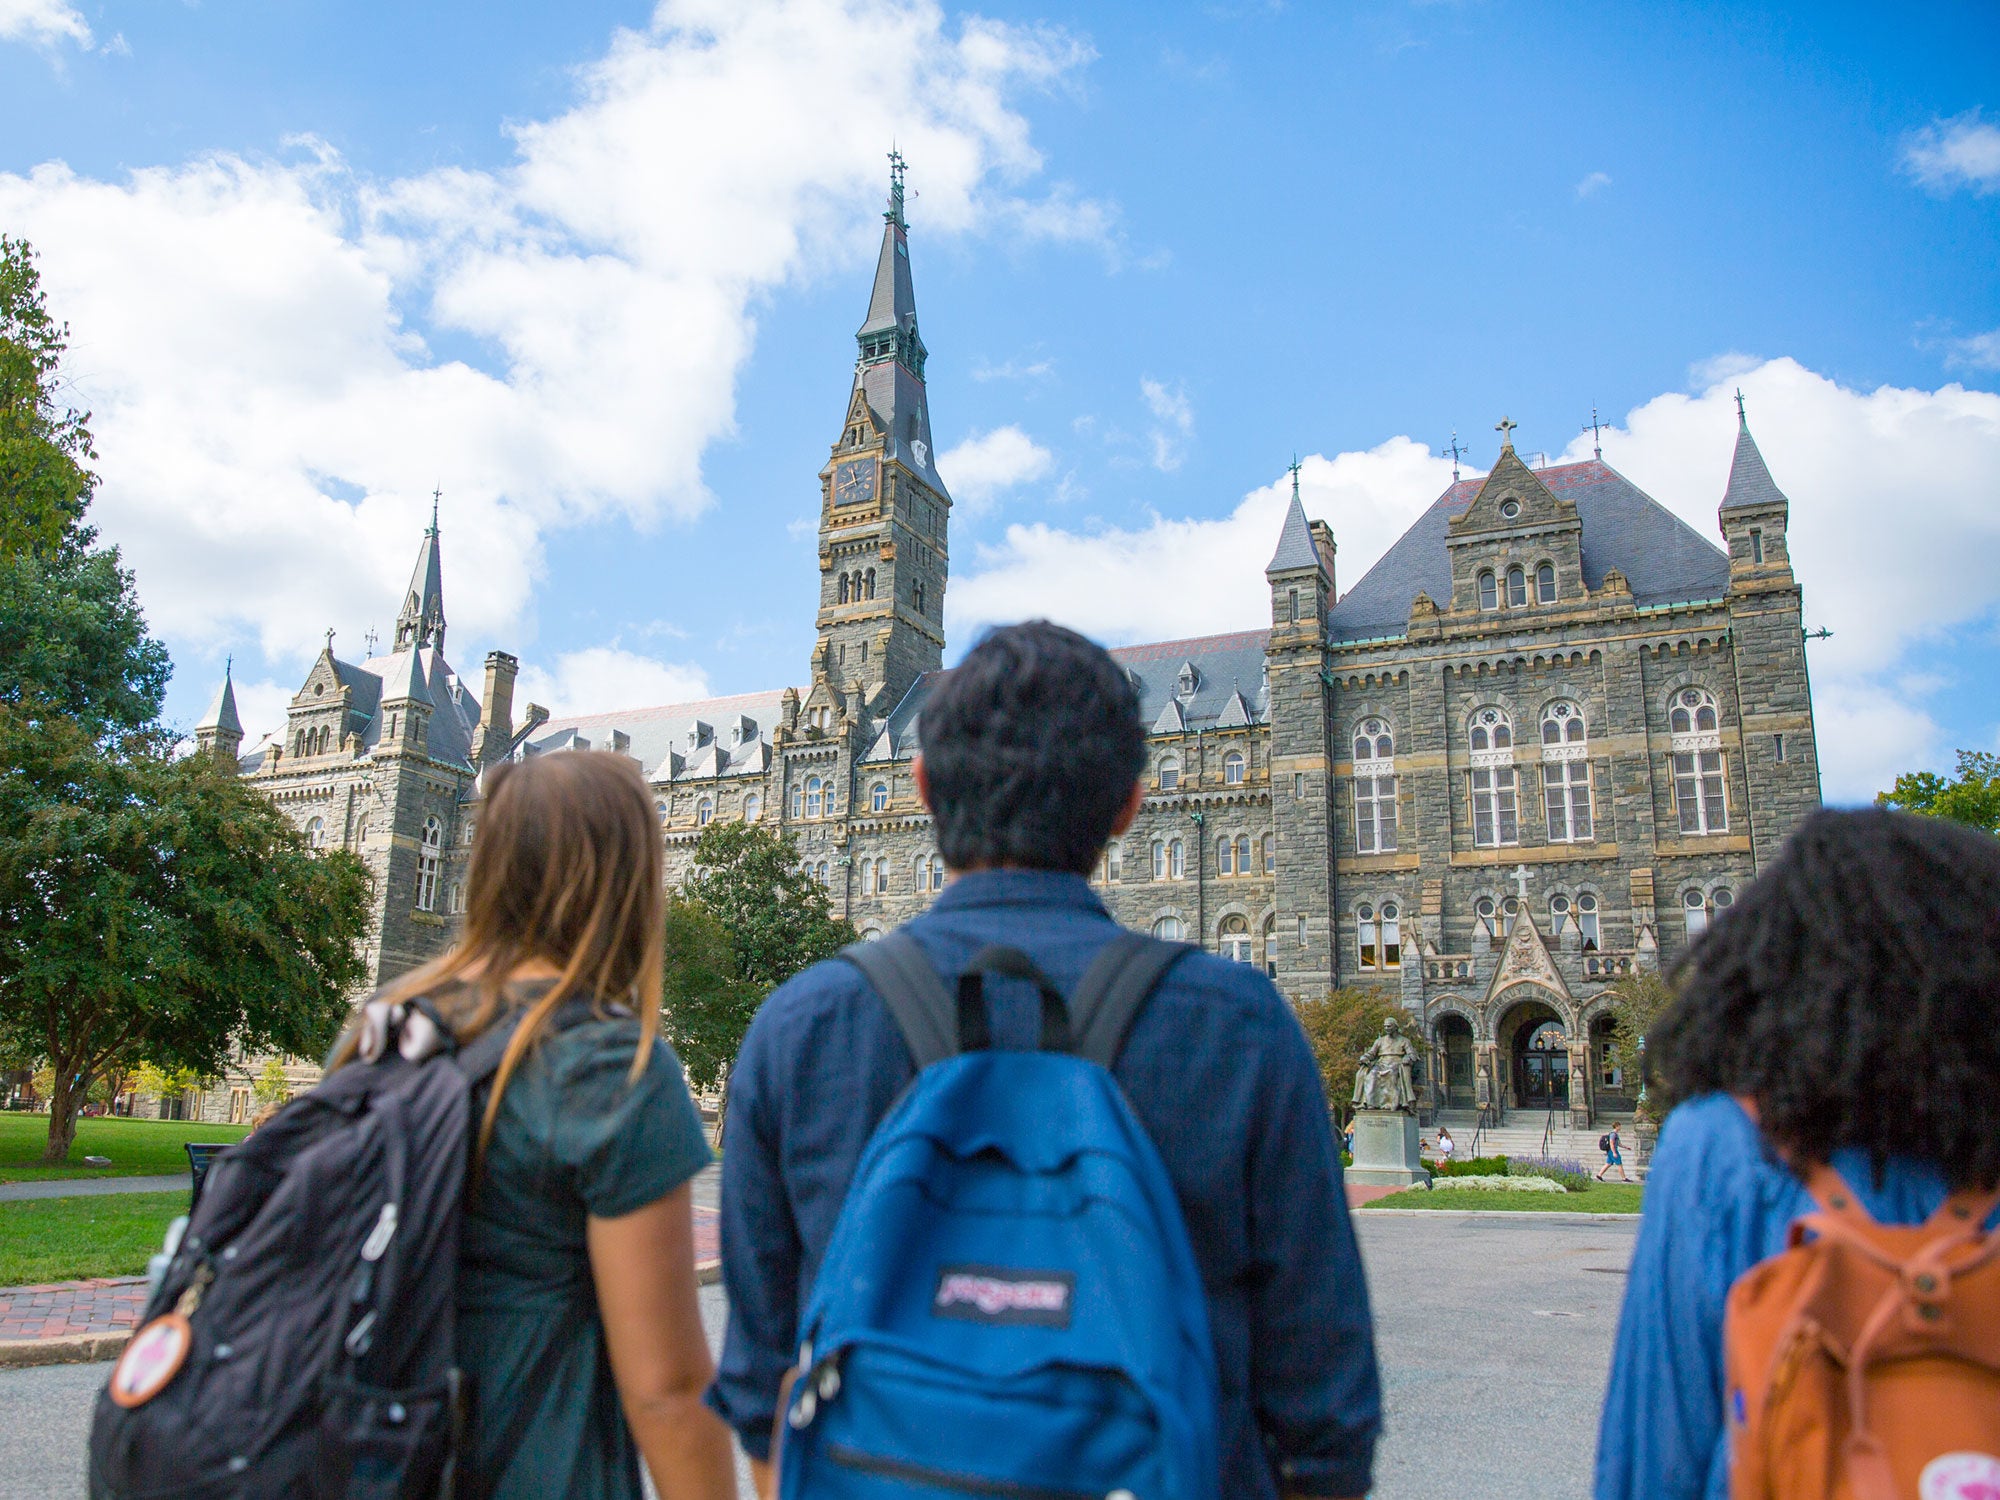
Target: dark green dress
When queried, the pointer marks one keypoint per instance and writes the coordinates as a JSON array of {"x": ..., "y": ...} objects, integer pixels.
[{"x": 575, "y": 1137}]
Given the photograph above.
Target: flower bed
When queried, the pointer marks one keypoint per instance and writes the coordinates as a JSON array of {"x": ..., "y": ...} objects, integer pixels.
[
  {"x": 1572, "y": 1176},
  {"x": 1508, "y": 1184},
  {"x": 1471, "y": 1166}
]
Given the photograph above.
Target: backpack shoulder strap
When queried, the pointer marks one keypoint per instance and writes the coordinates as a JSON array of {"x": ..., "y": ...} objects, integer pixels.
[
  {"x": 895, "y": 966},
  {"x": 1115, "y": 988}
]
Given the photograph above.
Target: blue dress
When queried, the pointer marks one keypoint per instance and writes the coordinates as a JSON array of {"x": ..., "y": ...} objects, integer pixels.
[{"x": 1716, "y": 1204}]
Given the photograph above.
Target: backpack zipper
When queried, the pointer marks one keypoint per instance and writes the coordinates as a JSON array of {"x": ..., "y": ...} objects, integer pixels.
[{"x": 959, "y": 1484}]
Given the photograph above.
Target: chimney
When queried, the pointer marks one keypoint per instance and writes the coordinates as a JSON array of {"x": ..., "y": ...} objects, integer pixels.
[
  {"x": 1322, "y": 535},
  {"x": 496, "y": 707}
]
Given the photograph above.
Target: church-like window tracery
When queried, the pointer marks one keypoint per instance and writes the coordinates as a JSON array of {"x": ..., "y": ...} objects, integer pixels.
[
  {"x": 1566, "y": 773},
  {"x": 1495, "y": 794},
  {"x": 1168, "y": 928},
  {"x": 1365, "y": 935},
  {"x": 1235, "y": 939},
  {"x": 1586, "y": 922},
  {"x": 843, "y": 589},
  {"x": 1374, "y": 788},
  {"x": 427, "y": 864},
  {"x": 315, "y": 833},
  {"x": 1700, "y": 792}
]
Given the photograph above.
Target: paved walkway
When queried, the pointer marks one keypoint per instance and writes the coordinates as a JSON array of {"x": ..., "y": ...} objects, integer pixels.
[{"x": 90, "y": 1187}]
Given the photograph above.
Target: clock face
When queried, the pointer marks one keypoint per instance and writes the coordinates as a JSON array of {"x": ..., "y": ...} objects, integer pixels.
[{"x": 854, "y": 481}]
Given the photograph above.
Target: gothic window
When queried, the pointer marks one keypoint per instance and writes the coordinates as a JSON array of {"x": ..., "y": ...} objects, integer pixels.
[
  {"x": 820, "y": 874},
  {"x": 1702, "y": 910},
  {"x": 1168, "y": 928},
  {"x": 878, "y": 797},
  {"x": 1586, "y": 922},
  {"x": 361, "y": 832},
  {"x": 1374, "y": 788},
  {"x": 1243, "y": 854},
  {"x": 1545, "y": 584},
  {"x": 937, "y": 873},
  {"x": 704, "y": 812},
  {"x": 455, "y": 902},
  {"x": 1495, "y": 814},
  {"x": 917, "y": 595},
  {"x": 1159, "y": 860},
  {"x": 868, "y": 585},
  {"x": 1566, "y": 774},
  {"x": 843, "y": 588},
  {"x": 753, "y": 808},
  {"x": 1489, "y": 591},
  {"x": 1492, "y": 730},
  {"x": 466, "y": 830},
  {"x": 427, "y": 864},
  {"x": 1517, "y": 587},
  {"x": 315, "y": 833},
  {"x": 1699, "y": 792},
  {"x": 814, "y": 802},
  {"x": 1235, "y": 935},
  {"x": 1114, "y": 862},
  {"x": 1693, "y": 712},
  {"x": 1483, "y": 913},
  {"x": 1510, "y": 909},
  {"x": 1225, "y": 861},
  {"x": 1392, "y": 936},
  {"x": 798, "y": 802},
  {"x": 1232, "y": 768},
  {"x": 1170, "y": 775},
  {"x": 1270, "y": 854},
  {"x": 1365, "y": 935},
  {"x": 1373, "y": 741},
  {"x": 1177, "y": 860}
]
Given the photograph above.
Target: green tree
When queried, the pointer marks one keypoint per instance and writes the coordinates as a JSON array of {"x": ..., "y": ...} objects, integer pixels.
[
  {"x": 73, "y": 643},
  {"x": 1972, "y": 797},
  {"x": 748, "y": 920},
  {"x": 158, "y": 908},
  {"x": 44, "y": 444},
  {"x": 272, "y": 1086},
  {"x": 1341, "y": 1027},
  {"x": 1637, "y": 1003}
]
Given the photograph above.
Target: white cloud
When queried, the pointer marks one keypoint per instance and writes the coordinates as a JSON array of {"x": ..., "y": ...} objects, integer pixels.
[
  {"x": 44, "y": 23},
  {"x": 255, "y": 336},
  {"x": 1893, "y": 536},
  {"x": 1014, "y": 370},
  {"x": 1595, "y": 182},
  {"x": 1960, "y": 152},
  {"x": 1174, "y": 416},
  {"x": 981, "y": 467},
  {"x": 604, "y": 679},
  {"x": 1978, "y": 351}
]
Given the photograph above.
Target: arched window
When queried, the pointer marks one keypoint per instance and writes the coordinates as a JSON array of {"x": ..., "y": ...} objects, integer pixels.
[
  {"x": 1270, "y": 854},
  {"x": 798, "y": 801},
  {"x": 1170, "y": 775},
  {"x": 1270, "y": 945},
  {"x": 660, "y": 807},
  {"x": 1559, "y": 914},
  {"x": 821, "y": 874},
  {"x": 1693, "y": 712},
  {"x": 1159, "y": 860},
  {"x": 753, "y": 807},
  {"x": 1177, "y": 860},
  {"x": 1374, "y": 788},
  {"x": 814, "y": 801},
  {"x": 843, "y": 589},
  {"x": 1517, "y": 587},
  {"x": 1392, "y": 936},
  {"x": 930, "y": 872},
  {"x": 361, "y": 832},
  {"x": 1495, "y": 795},
  {"x": 1168, "y": 928},
  {"x": 1545, "y": 583},
  {"x": 868, "y": 584},
  {"x": 878, "y": 797},
  {"x": 466, "y": 830},
  {"x": 1243, "y": 866},
  {"x": 1702, "y": 910},
  {"x": 1566, "y": 774},
  {"x": 1366, "y": 935},
  {"x": 1586, "y": 922},
  {"x": 1225, "y": 852},
  {"x": 1232, "y": 768},
  {"x": 704, "y": 812},
  {"x": 1700, "y": 792},
  {"x": 1489, "y": 591},
  {"x": 315, "y": 833},
  {"x": 1235, "y": 935},
  {"x": 1114, "y": 862},
  {"x": 427, "y": 864},
  {"x": 455, "y": 902},
  {"x": 1483, "y": 913},
  {"x": 1510, "y": 908}
]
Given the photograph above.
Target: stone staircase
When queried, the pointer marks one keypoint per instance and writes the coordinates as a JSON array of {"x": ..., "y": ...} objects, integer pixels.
[{"x": 1522, "y": 1136}]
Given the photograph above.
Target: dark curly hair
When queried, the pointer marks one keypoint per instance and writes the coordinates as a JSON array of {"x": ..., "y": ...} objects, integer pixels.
[
  {"x": 1031, "y": 745},
  {"x": 1853, "y": 991}
]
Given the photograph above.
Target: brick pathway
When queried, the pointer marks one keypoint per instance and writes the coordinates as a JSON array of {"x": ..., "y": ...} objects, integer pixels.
[{"x": 111, "y": 1304}]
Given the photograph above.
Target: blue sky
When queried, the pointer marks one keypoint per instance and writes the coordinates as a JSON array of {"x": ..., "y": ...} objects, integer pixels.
[{"x": 595, "y": 271}]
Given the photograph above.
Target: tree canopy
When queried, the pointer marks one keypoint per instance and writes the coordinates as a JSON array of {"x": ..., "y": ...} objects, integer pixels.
[
  {"x": 1341, "y": 1027},
  {"x": 1972, "y": 796},
  {"x": 748, "y": 920},
  {"x": 45, "y": 446}
]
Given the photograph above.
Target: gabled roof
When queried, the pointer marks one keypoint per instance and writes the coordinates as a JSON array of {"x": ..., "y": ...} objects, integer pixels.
[
  {"x": 1750, "y": 482},
  {"x": 658, "y": 737},
  {"x": 1663, "y": 558},
  {"x": 900, "y": 739}
]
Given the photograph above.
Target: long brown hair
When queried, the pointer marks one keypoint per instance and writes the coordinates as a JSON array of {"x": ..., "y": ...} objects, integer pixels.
[{"x": 567, "y": 868}]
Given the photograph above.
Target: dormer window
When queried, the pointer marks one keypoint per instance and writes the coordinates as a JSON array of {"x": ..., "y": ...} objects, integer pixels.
[{"x": 1187, "y": 682}]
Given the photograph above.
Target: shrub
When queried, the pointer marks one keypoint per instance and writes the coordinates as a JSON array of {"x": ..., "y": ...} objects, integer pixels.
[
  {"x": 1471, "y": 1166},
  {"x": 1573, "y": 1175}
]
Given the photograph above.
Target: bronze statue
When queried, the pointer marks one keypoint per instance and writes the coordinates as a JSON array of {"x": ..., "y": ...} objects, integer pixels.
[{"x": 1385, "y": 1078}]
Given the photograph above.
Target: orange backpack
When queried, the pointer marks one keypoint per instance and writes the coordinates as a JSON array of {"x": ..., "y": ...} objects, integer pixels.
[{"x": 1863, "y": 1362}]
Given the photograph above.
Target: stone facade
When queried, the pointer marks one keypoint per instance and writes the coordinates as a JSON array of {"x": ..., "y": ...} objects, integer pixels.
[{"x": 1538, "y": 746}]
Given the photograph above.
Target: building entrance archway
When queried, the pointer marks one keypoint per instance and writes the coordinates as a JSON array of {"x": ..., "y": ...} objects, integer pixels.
[
  {"x": 1456, "y": 1080},
  {"x": 1534, "y": 1053}
]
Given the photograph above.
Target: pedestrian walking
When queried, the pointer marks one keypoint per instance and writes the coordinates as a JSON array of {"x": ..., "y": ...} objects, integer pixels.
[
  {"x": 578, "y": 1319},
  {"x": 1612, "y": 1144},
  {"x": 1445, "y": 1146},
  {"x": 1032, "y": 749},
  {"x": 1816, "y": 1270}
]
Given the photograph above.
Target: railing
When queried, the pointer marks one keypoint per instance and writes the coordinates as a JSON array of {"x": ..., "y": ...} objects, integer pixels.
[
  {"x": 1607, "y": 965},
  {"x": 1448, "y": 966},
  {"x": 1479, "y": 1128}
]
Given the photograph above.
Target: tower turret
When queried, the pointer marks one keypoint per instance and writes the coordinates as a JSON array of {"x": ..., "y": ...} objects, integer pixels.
[
  {"x": 220, "y": 732},
  {"x": 420, "y": 622}
]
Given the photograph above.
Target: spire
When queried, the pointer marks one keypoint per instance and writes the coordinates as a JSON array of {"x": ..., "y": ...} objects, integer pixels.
[
  {"x": 421, "y": 619},
  {"x": 890, "y": 330},
  {"x": 1750, "y": 482},
  {"x": 222, "y": 712},
  {"x": 1295, "y": 541}
]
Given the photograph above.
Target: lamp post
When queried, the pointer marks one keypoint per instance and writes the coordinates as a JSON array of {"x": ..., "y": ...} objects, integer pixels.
[{"x": 1200, "y": 820}]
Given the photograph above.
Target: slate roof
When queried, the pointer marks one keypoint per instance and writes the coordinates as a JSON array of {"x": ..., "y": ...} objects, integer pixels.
[
  {"x": 897, "y": 399},
  {"x": 660, "y": 740},
  {"x": 1663, "y": 558},
  {"x": 1224, "y": 665},
  {"x": 222, "y": 712},
  {"x": 425, "y": 677},
  {"x": 893, "y": 298},
  {"x": 1750, "y": 481},
  {"x": 420, "y": 622},
  {"x": 1295, "y": 542}
]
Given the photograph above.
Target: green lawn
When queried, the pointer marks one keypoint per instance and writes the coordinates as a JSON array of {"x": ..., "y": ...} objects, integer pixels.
[
  {"x": 137, "y": 1148},
  {"x": 1599, "y": 1198},
  {"x": 66, "y": 1239}
]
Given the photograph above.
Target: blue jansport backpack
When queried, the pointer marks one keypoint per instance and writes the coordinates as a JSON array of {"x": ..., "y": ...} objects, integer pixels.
[{"x": 1009, "y": 1306}]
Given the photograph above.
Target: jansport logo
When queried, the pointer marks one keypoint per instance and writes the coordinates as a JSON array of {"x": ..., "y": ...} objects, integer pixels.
[{"x": 1000, "y": 1294}]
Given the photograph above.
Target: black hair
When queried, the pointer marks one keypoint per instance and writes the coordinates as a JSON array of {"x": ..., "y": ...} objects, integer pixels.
[
  {"x": 1853, "y": 991},
  {"x": 1032, "y": 745}
]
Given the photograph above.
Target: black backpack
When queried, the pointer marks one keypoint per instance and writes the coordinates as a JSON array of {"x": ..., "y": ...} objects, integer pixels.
[
  {"x": 1604, "y": 1144},
  {"x": 318, "y": 1276}
]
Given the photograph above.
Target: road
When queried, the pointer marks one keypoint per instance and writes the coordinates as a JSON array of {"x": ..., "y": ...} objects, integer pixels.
[{"x": 1494, "y": 1331}]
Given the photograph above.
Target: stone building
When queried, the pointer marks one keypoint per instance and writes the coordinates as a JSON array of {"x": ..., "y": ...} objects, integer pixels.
[{"x": 1536, "y": 747}]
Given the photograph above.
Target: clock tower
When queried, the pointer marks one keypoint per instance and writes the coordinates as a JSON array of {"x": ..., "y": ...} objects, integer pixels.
[{"x": 883, "y": 511}]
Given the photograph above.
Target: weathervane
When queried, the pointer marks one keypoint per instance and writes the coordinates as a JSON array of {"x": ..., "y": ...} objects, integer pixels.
[
  {"x": 1456, "y": 453},
  {"x": 1596, "y": 442},
  {"x": 1741, "y": 420},
  {"x": 1295, "y": 477},
  {"x": 436, "y": 496},
  {"x": 896, "y": 168},
  {"x": 370, "y": 639}
]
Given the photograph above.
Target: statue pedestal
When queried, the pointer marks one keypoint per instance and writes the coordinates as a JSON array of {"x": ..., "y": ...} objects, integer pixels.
[{"x": 1385, "y": 1150}]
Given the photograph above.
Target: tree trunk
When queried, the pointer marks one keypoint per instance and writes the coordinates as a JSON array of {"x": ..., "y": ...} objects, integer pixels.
[{"x": 66, "y": 1096}]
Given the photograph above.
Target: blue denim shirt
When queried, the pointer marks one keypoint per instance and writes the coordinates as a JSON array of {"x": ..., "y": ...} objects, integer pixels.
[
  {"x": 1717, "y": 1203},
  {"x": 1217, "y": 1070}
]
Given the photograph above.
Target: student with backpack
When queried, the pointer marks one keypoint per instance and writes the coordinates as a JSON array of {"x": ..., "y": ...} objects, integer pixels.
[
  {"x": 1814, "y": 1300},
  {"x": 464, "y": 1263},
  {"x": 1612, "y": 1144},
  {"x": 1016, "y": 1203}
]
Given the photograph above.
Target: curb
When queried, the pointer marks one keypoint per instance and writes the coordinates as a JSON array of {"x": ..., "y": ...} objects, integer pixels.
[
  {"x": 1476, "y": 1215},
  {"x": 72, "y": 1349}
]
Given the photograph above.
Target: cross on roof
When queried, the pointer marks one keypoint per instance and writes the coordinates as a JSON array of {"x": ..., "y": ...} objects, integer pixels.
[
  {"x": 1596, "y": 442},
  {"x": 436, "y": 496},
  {"x": 1505, "y": 427},
  {"x": 1521, "y": 880},
  {"x": 1741, "y": 420},
  {"x": 1295, "y": 476},
  {"x": 329, "y": 640}
]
